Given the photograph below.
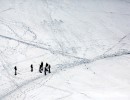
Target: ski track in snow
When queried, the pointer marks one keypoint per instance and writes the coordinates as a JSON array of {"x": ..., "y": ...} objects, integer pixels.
[
  {"x": 40, "y": 47},
  {"x": 60, "y": 67},
  {"x": 63, "y": 66},
  {"x": 21, "y": 87},
  {"x": 78, "y": 62},
  {"x": 6, "y": 10},
  {"x": 116, "y": 43}
]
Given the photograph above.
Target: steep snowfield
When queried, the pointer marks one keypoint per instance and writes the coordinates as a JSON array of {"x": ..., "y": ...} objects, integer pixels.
[{"x": 71, "y": 35}]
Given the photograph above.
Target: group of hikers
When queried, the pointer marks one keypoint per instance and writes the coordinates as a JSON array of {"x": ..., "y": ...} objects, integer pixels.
[{"x": 47, "y": 68}]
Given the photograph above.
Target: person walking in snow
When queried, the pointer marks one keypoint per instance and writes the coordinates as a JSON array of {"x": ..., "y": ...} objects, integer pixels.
[
  {"x": 46, "y": 65},
  {"x": 46, "y": 68},
  {"x": 41, "y": 67},
  {"x": 49, "y": 68},
  {"x": 31, "y": 67},
  {"x": 15, "y": 68}
]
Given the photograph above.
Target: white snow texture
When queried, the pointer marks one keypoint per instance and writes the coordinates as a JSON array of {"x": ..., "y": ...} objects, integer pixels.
[{"x": 86, "y": 42}]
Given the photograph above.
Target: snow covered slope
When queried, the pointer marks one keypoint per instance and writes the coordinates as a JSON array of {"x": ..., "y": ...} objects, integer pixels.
[{"x": 66, "y": 34}]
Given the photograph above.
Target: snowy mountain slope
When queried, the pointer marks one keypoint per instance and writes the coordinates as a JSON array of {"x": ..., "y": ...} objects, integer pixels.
[{"x": 65, "y": 33}]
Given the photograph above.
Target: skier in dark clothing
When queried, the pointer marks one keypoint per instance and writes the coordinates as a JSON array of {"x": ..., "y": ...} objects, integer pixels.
[
  {"x": 45, "y": 70},
  {"x": 42, "y": 63},
  {"x": 49, "y": 68},
  {"x": 31, "y": 68},
  {"x": 15, "y": 68},
  {"x": 41, "y": 67},
  {"x": 46, "y": 65}
]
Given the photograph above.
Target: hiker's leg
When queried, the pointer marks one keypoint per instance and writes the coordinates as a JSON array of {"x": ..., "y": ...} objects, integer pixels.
[
  {"x": 49, "y": 70},
  {"x": 15, "y": 72},
  {"x": 45, "y": 72}
]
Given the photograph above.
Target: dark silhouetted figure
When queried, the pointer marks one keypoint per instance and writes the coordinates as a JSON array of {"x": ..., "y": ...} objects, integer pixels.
[
  {"x": 31, "y": 68},
  {"x": 46, "y": 65},
  {"x": 49, "y": 68},
  {"x": 15, "y": 68},
  {"x": 41, "y": 67},
  {"x": 46, "y": 68}
]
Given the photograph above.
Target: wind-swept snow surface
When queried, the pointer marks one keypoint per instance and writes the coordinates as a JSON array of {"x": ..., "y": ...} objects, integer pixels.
[{"x": 87, "y": 43}]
